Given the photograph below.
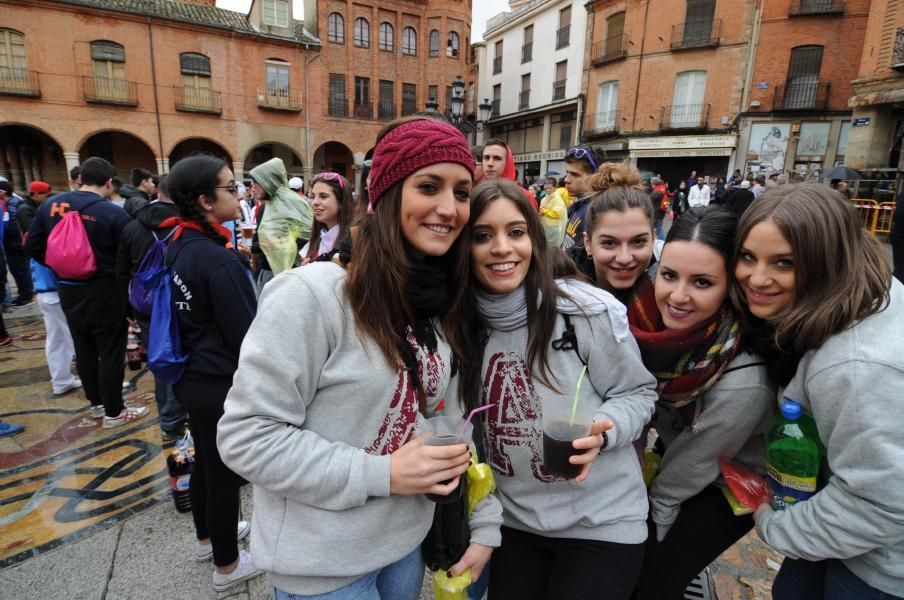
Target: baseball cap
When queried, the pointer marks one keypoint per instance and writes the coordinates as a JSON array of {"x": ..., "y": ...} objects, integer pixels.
[
  {"x": 296, "y": 183},
  {"x": 39, "y": 187}
]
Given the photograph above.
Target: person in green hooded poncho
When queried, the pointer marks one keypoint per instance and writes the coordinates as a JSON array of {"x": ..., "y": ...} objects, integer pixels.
[{"x": 288, "y": 216}]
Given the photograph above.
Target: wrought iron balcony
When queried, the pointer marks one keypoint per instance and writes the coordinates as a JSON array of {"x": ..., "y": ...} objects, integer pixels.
[
  {"x": 524, "y": 100},
  {"x": 801, "y": 96},
  {"x": 801, "y": 8},
  {"x": 897, "y": 55},
  {"x": 386, "y": 109},
  {"x": 108, "y": 90},
  {"x": 563, "y": 36},
  {"x": 337, "y": 106},
  {"x": 558, "y": 89},
  {"x": 684, "y": 116},
  {"x": 696, "y": 34},
  {"x": 19, "y": 82},
  {"x": 527, "y": 52},
  {"x": 602, "y": 124},
  {"x": 497, "y": 65},
  {"x": 202, "y": 100},
  {"x": 364, "y": 111},
  {"x": 609, "y": 49},
  {"x": 495, "y": 111},
  {"x": 278, "y": 98}
]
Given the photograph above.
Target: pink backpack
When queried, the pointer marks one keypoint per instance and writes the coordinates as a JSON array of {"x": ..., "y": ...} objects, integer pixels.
[{"x": 69, "y": 252}]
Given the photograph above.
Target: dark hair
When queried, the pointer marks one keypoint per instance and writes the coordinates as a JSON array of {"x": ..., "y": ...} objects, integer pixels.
[
  {"x": 74, "y": 172},
  {"x": 346, "y": 214},
  {"x": 139, "y": 175},
  {"x": 477, "y": 153},
  {"x": 562, "y": 264},
  {"x": 598, "y": 156},
  {"x": 6, "y": 187},
  {"x": 162, "y": 189},
  {"x": 493, "y": 142},
  {"x": 538, "y": 283},
  {"x": 191, "y": 178},
  {"x": 615, "y": 187},
  {"x": 377, "y": 281},
  {"x": 117, "y": 183},
  {"x": 552, "y": 180},
  {"x": 656, "y": 197},
  {"x": 96, "y": 171},
  {"x": 713, "y": 225}
]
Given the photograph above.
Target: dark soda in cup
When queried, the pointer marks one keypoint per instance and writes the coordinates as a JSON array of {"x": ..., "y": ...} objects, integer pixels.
[
  {"x": 556, "y": 452},
  {"x": 447, "y": 440}
]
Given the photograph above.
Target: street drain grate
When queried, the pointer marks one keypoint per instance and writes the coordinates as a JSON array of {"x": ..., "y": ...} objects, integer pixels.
[{"x": 700, "y": 588}]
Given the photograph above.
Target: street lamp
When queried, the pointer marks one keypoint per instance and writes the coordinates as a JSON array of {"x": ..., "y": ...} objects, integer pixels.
[
  {"x": 458, "y": 99},
  {"x": 486, "y": 109},
  {"x": 432, "y": 105}
]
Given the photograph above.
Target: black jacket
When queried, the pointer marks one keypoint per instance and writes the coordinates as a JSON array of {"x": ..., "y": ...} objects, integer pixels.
[
  {"x": 738, "y": 201},
  {"x": 137, "y": 237},
  {"x": 27, "y": 212},
  {"x": 134, "y": 199},
  {"x": 896, "y": 240},
  {"x": 213, "y": 298},
  {"x": 103, "y": 221}
]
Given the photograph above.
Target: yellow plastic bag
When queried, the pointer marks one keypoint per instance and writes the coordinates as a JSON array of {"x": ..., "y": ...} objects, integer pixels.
[
  {"x": 480, "y": 482},
  {"x": 451, "y": 588},
  {"x": 651, "y": 464}
]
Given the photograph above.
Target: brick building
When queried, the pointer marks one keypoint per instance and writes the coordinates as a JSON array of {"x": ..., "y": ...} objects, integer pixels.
[
  {"x": 663, "y": 81},
  {"x": 795, "y": 110},
  {"x": 875, "y": 143},
  {"x": 146, "y": 82}
]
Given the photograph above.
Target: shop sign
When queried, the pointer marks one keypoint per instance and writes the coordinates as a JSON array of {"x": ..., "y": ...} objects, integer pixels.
[
  {"x": 680, "y": 142},
  {"x": 681, "y": 153},
  {"x": 861, "y": 122}
]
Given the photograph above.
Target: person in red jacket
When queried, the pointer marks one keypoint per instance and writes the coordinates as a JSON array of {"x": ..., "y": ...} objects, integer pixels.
[{"x": 499, "y": 162}]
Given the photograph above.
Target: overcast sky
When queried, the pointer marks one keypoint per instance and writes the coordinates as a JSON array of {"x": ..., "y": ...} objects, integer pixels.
[{"x": 483, "y": 10}]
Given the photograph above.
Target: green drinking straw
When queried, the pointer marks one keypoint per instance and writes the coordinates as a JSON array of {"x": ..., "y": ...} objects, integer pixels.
[{"x": 577, "y": 391}]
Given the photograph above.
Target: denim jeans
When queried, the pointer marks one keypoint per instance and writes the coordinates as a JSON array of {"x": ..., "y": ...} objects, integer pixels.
[
  {"x": 822, "y": 580},
  {"x": 401, "y": 580}
]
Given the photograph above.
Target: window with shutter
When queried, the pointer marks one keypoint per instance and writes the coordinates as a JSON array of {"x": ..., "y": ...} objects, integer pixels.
[
  {"x": 13, "y": 62},
  {"x": 803, "y": 77},
  {"x": 409, "y": 99},
  {"x": 387, "y": 100},
  {"x": 698, "y": 21},
  {"x": 195, "y": 70},
  {"x": 453, "y": 45},
  {"x": 687, "y": 103},
  {"x": 606, "y": 103},
  {"x": 108, "y": 66},
  {"x": 615, "y": 31},
  {"x": 338, "y": 104},
  {"x": 276, "y": 13}
]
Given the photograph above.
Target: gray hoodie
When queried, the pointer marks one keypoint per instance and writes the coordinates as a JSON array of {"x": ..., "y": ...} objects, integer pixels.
[
  {"x": 611, "y": 505},
  {"x": 311, "y": 420},
  {"x": 853, "y": 385}
]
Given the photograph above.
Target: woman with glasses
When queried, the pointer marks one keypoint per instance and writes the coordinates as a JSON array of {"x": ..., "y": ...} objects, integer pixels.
[
  {"x": 334, "y": 209},
  {"x": 580, "y": 164},
  {"x": 213, "y": 299},
  {"x": 327, "y": 435}
]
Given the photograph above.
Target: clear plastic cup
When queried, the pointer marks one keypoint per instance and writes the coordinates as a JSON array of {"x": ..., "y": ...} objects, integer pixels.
[
  {"x": 560, "y": 429},
  {"x": 446, "y": 431}
]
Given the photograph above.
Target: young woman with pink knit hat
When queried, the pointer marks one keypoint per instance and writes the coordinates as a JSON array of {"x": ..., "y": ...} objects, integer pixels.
[{"x": 333, "y": 379}]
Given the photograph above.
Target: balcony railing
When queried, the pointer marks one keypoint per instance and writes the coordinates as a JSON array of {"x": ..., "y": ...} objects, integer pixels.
[
  {"x": 364, "y": 111},
  {"x": 602, "y": 124},
  {"x": 563, "y": 36},
  {"x": 497, "y": 65},
  {"x": 386, "y": 109},
  {"x": 106, "y": 90},
  {"x": 897, "y": 54},
  {"x": 696, "y": 34},
  {"x": 337, "y": 106},
  {"x": 496, "y": 105},
  {"x": 524, "y": 100},
  {"x": 809, "y": 95},
  {"x": 19, "y": 82},
  {"x": 278, "y": 98},
  {"x": 801, "y": 8},
  {"x": 527, "y": 52},
  {"x": 202, "y": 100},
  {"x": 558, "y": 89},
  {"x": 609, "y": 49},
  {"x": 684, "y": 116}
]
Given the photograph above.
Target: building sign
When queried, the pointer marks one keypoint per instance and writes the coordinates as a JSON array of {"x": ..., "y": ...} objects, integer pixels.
[
  {"x": 682, "y": 142},
  {"x": 814, "y": 139},
  {"x": 763, "y": 85},
  {"x": 681, "y": 153},
  {"x": 861, "y": 122},
  {"x": 533, "y": 156},
  {"x": 767, "y": 147}
]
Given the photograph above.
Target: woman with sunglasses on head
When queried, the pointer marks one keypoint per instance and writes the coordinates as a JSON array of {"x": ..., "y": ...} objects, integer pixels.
[
  {"x": 213, "y": 299},
  {"x": 580, "y": 163},
  {"x": 806, "y": 268},
  {"x": 715, "y": 399},
  {"x": 327, "y": 436},
  {"x": 334, "y": 209},
  {"x": 564, "y": 534}
]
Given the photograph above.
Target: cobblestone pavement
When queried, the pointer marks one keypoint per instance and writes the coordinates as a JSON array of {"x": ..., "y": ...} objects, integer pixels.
[{"x": 86, "y": 513}]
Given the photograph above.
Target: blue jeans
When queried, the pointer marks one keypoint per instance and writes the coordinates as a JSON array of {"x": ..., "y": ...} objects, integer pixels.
[
  {"x": 401, "y": 580},
  {"x": 172, "y": 415},
  {"x": 822, "y": 580}
]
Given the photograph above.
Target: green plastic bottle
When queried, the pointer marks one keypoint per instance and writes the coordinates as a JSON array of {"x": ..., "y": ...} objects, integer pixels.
[{"x": 793, "y": 456}]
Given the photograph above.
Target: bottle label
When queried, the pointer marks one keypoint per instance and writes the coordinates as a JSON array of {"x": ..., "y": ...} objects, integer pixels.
[
  {"x": 181, "y": 483},
  {"x": 788, "y": 489}
]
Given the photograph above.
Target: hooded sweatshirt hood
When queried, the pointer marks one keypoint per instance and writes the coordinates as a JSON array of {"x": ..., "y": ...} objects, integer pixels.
[
  {"x": 154, "y": 213},
  {"x": 509, "y": 173},
  {"x": 271, "y": 176}
]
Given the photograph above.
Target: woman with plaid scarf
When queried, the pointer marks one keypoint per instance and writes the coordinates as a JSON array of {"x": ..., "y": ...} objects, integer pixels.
[{"x": 715, "y": 399}]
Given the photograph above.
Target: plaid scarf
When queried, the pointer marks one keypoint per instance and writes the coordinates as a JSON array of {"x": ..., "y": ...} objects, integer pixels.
[{"x": 685, "y": 362}]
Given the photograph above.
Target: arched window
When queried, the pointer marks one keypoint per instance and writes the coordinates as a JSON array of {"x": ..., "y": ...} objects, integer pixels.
[
  {"x": 453, "y": 45},
  {"x": 13, "y": 63},
  {"x": 409, "y": 41},
  {"x": 335, "y": 28},
  {"x": 195, "y": 69},
  {"x": 387, "y": 33},
  {"x": 362, "y": 33},
  {"x": 109, "y": 65},
  {"x": 434, "y": 43}
]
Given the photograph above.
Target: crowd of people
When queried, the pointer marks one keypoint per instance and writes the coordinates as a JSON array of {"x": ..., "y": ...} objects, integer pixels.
[{"x": 322, "y": 325}]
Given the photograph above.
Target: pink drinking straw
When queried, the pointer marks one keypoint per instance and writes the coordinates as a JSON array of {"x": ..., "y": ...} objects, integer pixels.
[{"x": 471, "y": 415}]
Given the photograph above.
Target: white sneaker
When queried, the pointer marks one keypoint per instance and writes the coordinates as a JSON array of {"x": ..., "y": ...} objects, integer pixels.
[
  {"x": 75, "y": 385},
  {"x": 126, "y": 385},
  {"x": 205, "y": 551},
  {"x": 243, "y": 572},
  {"x": 97, "y": 411},
  {"x": 126, "y": 416}
]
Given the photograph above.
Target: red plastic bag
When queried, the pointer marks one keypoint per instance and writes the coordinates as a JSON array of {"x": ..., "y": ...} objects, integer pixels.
[{"x": 748, "y": 487}]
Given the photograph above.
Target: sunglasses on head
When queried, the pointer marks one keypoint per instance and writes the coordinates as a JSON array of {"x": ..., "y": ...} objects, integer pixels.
[
  {"x": 581, "y": 154},
  {"x": 330, "y": 176}
]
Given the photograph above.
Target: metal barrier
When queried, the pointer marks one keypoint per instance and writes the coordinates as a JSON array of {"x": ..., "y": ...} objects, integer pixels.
[
  {"x": 876, "y": 216},
  {"x": 884, "y": 217}
]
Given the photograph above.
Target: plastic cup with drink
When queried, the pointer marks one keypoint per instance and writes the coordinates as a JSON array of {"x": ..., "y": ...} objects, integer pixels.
[
  {"x": 565, "y": 420},
  {"x": 446, "y": 431}
]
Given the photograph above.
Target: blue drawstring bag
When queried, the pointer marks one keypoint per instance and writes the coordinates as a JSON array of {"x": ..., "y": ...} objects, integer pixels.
[
  {"x": 148, "y": 276},
  {"x": 165, "y": 357}
]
